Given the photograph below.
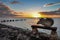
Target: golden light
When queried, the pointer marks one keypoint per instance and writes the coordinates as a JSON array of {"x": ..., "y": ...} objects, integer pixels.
[
  {"x": 29, "y": 15},
  {"x": 36, "y": 15}
]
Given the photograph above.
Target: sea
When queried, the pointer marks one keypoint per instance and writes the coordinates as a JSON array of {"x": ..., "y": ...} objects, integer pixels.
[{"x": 26, "y": 23}]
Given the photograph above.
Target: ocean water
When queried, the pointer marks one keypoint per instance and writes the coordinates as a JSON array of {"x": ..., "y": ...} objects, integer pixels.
[{"x": 26, "y": 23}]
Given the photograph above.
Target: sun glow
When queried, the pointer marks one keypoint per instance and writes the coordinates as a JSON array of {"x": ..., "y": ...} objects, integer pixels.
[
  {"x": 36, "y": 15},
  {"x": 31, "y": 14}
]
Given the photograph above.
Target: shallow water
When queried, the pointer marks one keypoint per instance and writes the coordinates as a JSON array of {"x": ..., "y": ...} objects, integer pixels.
[{"x": 26, "y": 24}]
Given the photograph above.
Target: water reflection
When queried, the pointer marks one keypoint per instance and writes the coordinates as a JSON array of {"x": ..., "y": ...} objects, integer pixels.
[{"x": 27, "y": 24}]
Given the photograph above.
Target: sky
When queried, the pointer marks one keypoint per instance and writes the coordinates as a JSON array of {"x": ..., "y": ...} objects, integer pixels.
[
  {"x": 32, "y": 5},
  {"x": 29, "y": 8}
]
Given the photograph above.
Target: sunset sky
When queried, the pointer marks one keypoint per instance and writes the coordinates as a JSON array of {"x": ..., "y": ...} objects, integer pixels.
[{"x": 33, "y": 6}]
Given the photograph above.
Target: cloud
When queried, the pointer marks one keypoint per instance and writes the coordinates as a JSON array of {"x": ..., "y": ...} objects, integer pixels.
[
  {"x": 5, "y": 11},
  {"x": 52, "y": 14},
  {"x": 57, "y": 12},
  {"x": 51, "y": 4},
  {"x": 58, "y": 8},
  {"x": 15, "y": 2}
]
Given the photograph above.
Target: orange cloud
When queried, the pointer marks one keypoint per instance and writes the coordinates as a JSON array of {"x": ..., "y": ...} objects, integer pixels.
[
  {"x": 52, "y": 14},
  {"x": 5, "y": 11}
]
